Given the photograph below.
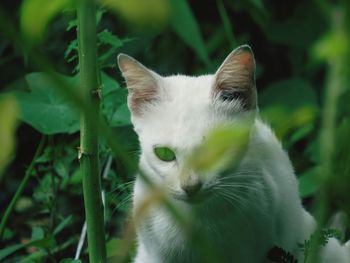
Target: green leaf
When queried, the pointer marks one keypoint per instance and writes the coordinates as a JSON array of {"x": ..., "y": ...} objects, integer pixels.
[
  {"x": 291, "y": 93},
  {"x": 288, "y": 33},
  {"x": 8, "y": 234},
  {"x": 36, "y": 15},
  {"x": 301, "y": 133},
  {"x": 113, "y": 247},
  {"x": 44, "y": 108},
  {"x": 223, "y": 146},
  {"x": 10, "y": 249},
  {"x": 332, "y": 46},
  {"x": 37, "y": 233},
  {"x": 186, "y": 27},
  {"x": 37, "y": 256},
  {"x": 106, "y": 37},
  {"x": 121, "y": 116},
  {"x": 9, "y": 112},
  {"x": 289, "y": 104},
  {"x": 63, "y": 224},
  {"x": 151, "y": 14},
  {"x": 23, "y": 204},
  {"x": 309, "y": 182},
  {"x": 43, "y": 243},
  {"x": 76, "y": 177},
  {"x": 114, "y": 103}
]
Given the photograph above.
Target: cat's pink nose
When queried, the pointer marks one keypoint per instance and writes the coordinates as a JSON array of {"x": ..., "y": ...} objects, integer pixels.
[{"x": 192, "y": 189}]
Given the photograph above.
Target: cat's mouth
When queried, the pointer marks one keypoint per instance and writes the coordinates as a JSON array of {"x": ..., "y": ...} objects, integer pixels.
[{"x": 198, "y": 198}]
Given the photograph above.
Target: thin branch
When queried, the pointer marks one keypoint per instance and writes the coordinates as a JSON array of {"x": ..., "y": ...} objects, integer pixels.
[{"x": 21, "y": 187}]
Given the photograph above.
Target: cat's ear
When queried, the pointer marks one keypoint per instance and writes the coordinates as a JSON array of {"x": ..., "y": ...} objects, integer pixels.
[
  {"x": 235, "y": 78},
  {"x": 141, "y": 82}
]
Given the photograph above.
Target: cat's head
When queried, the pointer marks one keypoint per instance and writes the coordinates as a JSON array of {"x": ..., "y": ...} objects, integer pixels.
[{"x": 173, "y": 116}]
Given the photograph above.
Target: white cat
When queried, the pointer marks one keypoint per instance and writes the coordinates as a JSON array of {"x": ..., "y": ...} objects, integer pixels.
[{"x": 237, "y": 213}]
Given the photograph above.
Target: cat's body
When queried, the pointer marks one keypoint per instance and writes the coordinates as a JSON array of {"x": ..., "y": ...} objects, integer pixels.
[{"x": 245, "y": 210}]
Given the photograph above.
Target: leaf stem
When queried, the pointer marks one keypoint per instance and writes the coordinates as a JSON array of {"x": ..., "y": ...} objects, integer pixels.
[{"x": 21, "y": 187}]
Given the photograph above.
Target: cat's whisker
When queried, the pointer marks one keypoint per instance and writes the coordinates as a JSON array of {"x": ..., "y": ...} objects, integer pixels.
[
  {"x": 233, "y": 195},
  {"x": 236, "y": 202},
  {"x": 252, "y": 186},
  {"x": 122, "y": 187},
  {"x": 124, "y": 203}
]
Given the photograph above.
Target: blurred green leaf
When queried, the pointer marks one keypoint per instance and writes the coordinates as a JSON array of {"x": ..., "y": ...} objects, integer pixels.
[
  {"x": 283, "y": 120},
  {"x": 36, "y": 15},
  {"x": 291, "y": 93},
  {"x": 185, "y": 25},
  {"x": 42, "y": 243},
  {"x": 145, "y": 14},
  {"x": 8, "y": 234},
  {"x": 222, "y": 146},
  {"x": 4, "y": 252},
  {"x": 113, "y": 247},
  {"x": 334, "y": 45},
  {"x": 289, "y": 33},
  {"x": 44, "y": 108},
  {"x": 108, "y": 45},
  {"x": 9, "y": 112},
  {"x": 62, "y": 225},
  {"x": 37, "y": 233},
  {"x": 288, "y": 105},
  {"x": 76, "y": 177},
  {"x": 309, "y": 182},
  {"x": 23, "y": 204},
  {"x": 301, "y": 133}
]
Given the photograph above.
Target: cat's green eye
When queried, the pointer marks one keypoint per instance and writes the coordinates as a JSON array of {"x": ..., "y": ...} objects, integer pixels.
[{"x": 165, "y": 154}]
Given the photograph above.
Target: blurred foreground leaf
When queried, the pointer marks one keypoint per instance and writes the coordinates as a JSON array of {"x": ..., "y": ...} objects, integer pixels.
[
  {"x": 223, "y": 146},
  {"x": 8, "y": 118},
  {"x": 36, "y": 15},
  {"x": 141, "y": 13}
]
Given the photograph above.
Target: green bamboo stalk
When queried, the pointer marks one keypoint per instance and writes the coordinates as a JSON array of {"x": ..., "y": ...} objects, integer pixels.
[
  {"x": 88, "y": 154},
  {"x": 20, "y": 188}
]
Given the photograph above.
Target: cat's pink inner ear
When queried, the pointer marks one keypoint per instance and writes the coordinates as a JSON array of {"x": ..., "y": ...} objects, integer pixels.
[
  {"x": 235, "y": 77},
  {"x": 246, "y": 59},
  {"x": 141, "y": 83}
]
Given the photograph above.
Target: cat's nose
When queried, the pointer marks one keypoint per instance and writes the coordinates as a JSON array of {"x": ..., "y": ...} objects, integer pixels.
[{"x": 192, "y": 189}]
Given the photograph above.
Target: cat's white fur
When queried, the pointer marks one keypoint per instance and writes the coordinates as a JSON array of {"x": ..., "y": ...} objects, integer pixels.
[{"x": 241, "y": 227}]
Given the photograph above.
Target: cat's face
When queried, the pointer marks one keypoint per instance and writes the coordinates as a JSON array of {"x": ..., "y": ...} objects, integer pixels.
[{"x": 174, "y": 115}]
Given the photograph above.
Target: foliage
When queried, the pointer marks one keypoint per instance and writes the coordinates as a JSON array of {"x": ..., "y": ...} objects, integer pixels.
[{"x": 301, "y": 49}]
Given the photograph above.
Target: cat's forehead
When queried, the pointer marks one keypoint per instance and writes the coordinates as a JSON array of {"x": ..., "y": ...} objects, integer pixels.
[
  {"x": 183, "y": 114},
  {"x": 187, "y": 88}
]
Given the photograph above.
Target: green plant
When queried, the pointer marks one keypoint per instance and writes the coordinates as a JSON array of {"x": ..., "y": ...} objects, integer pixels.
[{"x": 41, "y": 221}]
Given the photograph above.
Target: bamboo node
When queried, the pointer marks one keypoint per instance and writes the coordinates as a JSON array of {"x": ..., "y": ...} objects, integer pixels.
[
  {"x": 79, "y": 153},
  {"x": 82, "y": 153},
  {"x": 97, "y": 92}
]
